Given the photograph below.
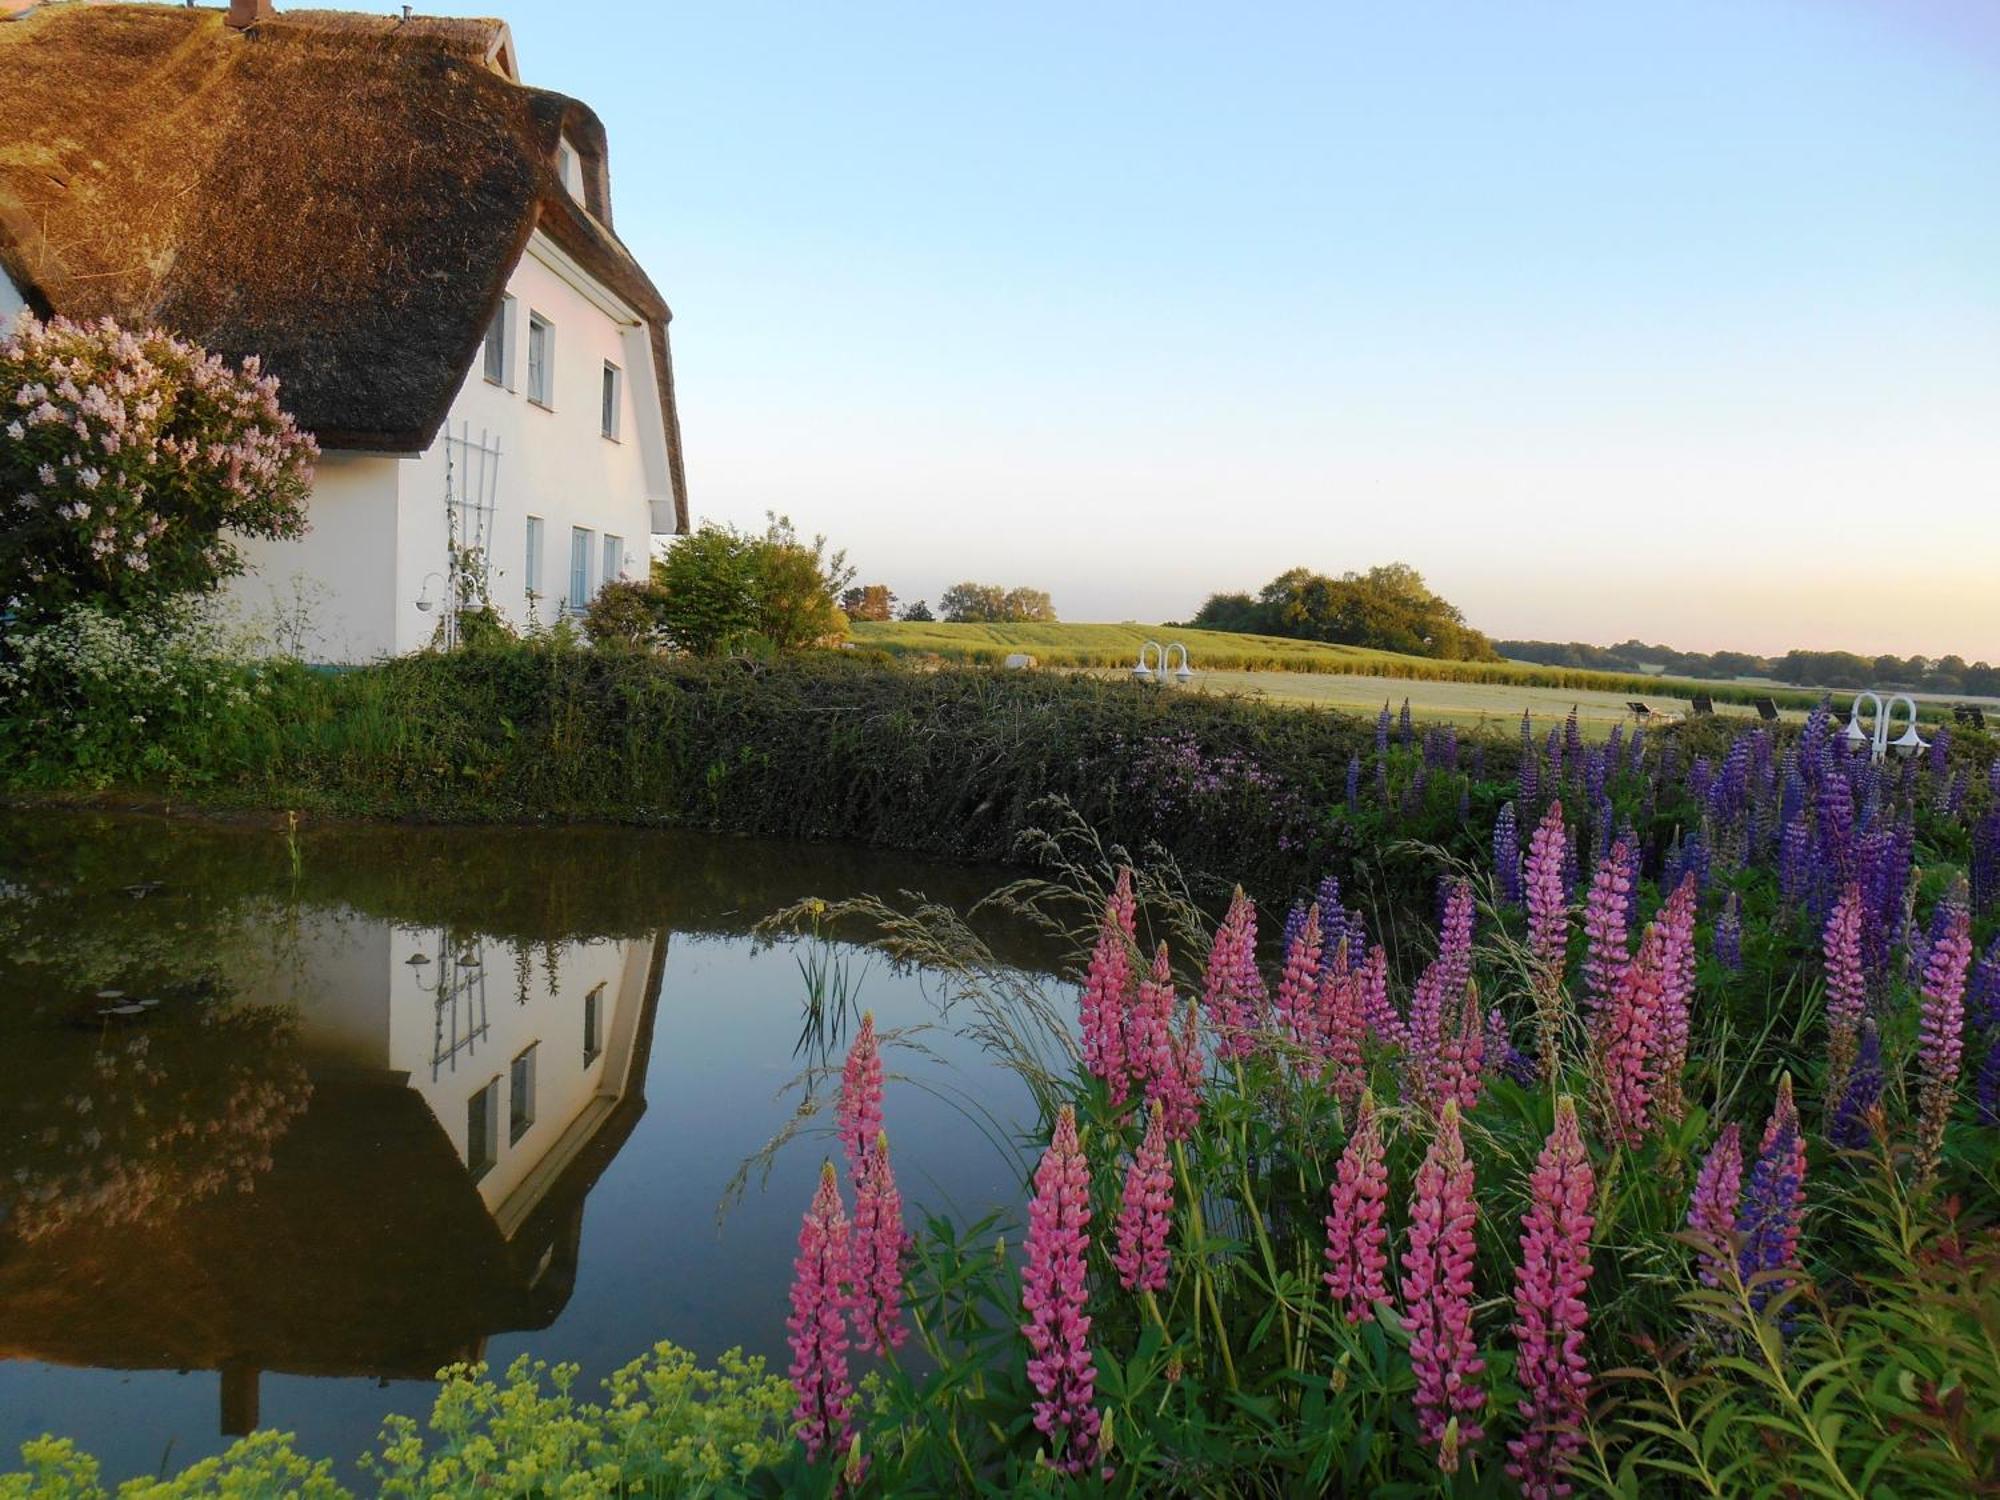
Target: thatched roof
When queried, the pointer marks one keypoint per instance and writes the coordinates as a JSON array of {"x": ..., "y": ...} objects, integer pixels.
[{"x": 342, "y": 194}]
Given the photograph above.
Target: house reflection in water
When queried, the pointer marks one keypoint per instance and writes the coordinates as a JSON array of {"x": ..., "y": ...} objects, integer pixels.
[{"x": 456, "y": 1100}]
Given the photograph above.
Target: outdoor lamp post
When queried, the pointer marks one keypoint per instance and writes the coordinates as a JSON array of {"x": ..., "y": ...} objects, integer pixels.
[
  {"x": 1155, "y": 663},
  {"x": 1884, "y": 720},
  {"x": 425, "y": 604}
]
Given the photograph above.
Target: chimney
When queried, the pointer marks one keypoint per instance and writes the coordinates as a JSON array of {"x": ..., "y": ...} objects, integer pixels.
[{"x": 244, "y": 14}]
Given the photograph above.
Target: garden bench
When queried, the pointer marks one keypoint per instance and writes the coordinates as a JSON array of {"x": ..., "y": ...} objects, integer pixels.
[
  {"x": 1767, "y": 710},
  {"x": 1703, "y": 706},
  {"x": 1639, "y": 710}
]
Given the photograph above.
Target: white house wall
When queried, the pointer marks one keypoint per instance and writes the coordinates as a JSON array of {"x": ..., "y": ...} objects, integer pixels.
[
  {"x": 554, "y": 461},
  {"x": 378, "y": 542}
]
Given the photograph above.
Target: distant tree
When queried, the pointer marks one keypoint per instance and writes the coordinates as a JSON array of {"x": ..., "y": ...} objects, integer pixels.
[
  {"x": 1236, "y": 611},
  {"x": 870, "y": 602},
  {"x": 989, "y": 604},
  {"x": 709, "y": 583},
  {"x": 1388, "y": 608},
  {"x": 920, "y": 612}
]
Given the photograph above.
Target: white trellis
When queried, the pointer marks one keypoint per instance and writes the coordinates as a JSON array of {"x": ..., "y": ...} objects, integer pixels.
[{"x": 471, "y": 490}]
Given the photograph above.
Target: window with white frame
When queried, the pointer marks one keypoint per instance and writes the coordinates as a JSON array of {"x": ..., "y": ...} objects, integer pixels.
[
  {"x": 570, "y": 169},
  {"x": 579, "y": 568},
  {"x": 533, "y": 563},
  {"x": 496, "y": 342},
  {"x": 614, "y": 557},
  {"x": 593, "y": 1025},
  {"x": 541, "y": 360},
  {"x": 612, "y": 382}
]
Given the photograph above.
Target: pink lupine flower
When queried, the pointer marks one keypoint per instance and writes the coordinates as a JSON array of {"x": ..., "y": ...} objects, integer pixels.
[
  {"x": 1455, "y": 939},
  {"x": 1342, "y": 1028},
  {"x": 1150, "y": 1061},
  {"x": 1606, "y": 926},
  {"x": 1549, "y": 1312},
  {"x": 1623, "y": 1045},
  {"x": 1357, "y": 1253},
  {"x": 1548, "y": 932},
  {"x": 1941, "y": 1037},
  {"x": 858, "y": 1114},
  {"x": 1177, "y": 1089},
  {"x": 1107, "y": 989},
  {"x": 876, "y": 1245},
  {"x": 1437, "y": 1295},
  {"x": 1053, "y": 1292},
  {"x": 1669, "y": 1040},
  {"x": 1846, "y": 988},
  {"x": 1718, "y": 1188},
  {"x": 1377, "y": 1010},
  {"x": 1428, "y": 1003},
  {"x": 1298, "y": 984},
  {"x": 818, "y": 1327},
  {"x": 1232, "y": 990},
  {"x": 1462, "y": 1073},
  {"x": 1146, "y": 1212}
]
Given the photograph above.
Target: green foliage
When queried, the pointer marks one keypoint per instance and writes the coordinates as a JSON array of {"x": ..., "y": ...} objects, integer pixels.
[
  {"x": 668, "y": 1427},
  {"x": 990, "y": 604},
  {"x": 1388, "y": 608},
  {"x": 88, "y": 697},
  {"x": 919, "y": 612},
  {"x": 873, "y": 601},
  {"x": 628, "y": 613},
  {"x": 797, "y": 583},
  {"x": 709, "y": 580},
  {"x": 131, "y": 461}
]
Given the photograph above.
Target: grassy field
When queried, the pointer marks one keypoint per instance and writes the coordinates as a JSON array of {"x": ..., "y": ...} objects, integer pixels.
[
  {"x": 1249, "y": 663},
  {"x": 1467, "y": 704}
]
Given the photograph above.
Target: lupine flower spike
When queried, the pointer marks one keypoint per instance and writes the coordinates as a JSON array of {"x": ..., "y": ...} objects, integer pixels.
[
  {"x": 1232, "y": 992},
  {"x": 1146, "y": 1212},
  {"x": 1357, "y": 1256},
  {"x": 1773, "y": 1203},
  {"x": 876, "y": 1246},
  {"x": 825, "y": 1408},
  {"x": 1060, "y": 1365},
  {"x": 858, "y": 1114},
  {"x": 1711, "y": 1219},
  {"x": 1606, "y": 926},
  {"x": 1941, "y": 1037},
  {"x": 1548, "y": 933},
  {"x": 1549, "y": 1312},
  {"x": 1437, "y": 1296},
  {"x": 1846, "y": 989},
  {"x": 1107, "y": 989},
  {"x": 1670, "y": 1039}
]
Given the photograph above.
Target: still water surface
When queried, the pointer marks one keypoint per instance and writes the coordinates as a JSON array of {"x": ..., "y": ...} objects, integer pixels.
[{"x": 288, "y": 1124}]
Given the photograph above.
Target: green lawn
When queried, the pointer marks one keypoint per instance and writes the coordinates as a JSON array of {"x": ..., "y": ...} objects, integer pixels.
[{"x": 1260, "y": 663}]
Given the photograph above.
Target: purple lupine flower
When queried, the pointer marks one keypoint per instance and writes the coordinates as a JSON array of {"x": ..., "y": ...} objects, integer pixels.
[
  {"x": 1572, "y": 736},
  {"x": 1294, "y": 928},
  {"x": 1382, "y": 783},
  {"x": 1795, "y": 861},
  {"x": 1552, "y": 751},
  {"x": 1405, "y": 728},
  {"x": 1985, "y": 865},
  {"x": 1774, "y": 1203},
  {"x": 1572, "y": 866},
  {"x": 1729, "y": 935},
  {"x": 1507, "y": 855},
  {"x": 1846, "y": 988},
  {"x": 1382, "y": 730},
  {"x": 1528, "y": 777},
  {"x": 1849, "y": 1125},
  {"x": 1982, "y": 994},
  {"x": 1354, "y": 781},
  {"x": 1335, "y": 945},
  {"x": 1635, "y": 750}
]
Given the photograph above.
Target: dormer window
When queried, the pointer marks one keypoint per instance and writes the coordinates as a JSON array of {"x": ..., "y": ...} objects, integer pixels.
[{"x": 569, "y": 167}]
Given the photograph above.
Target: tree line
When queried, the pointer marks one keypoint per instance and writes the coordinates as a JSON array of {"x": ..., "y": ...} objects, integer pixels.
[
  {"x": 1825, "y": 669},
  {"x": 1387, "y": 608}
]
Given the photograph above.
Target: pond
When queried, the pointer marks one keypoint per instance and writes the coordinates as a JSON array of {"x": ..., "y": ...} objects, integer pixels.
[{"x": 291, "y": 1119}]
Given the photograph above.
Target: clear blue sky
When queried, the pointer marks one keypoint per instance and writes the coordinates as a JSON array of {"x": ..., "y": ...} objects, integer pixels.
[{"x": 1678, "y": 320}]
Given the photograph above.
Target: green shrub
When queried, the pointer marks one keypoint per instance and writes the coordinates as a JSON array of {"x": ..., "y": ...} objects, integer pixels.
[{"x": 627, "y": 613}]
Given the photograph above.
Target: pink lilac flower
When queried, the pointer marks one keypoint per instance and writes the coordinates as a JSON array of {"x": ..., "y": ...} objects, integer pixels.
[
  {"x": 1718, "y": 1187},
  {"x": 1357, "y": 1255},
  {"x": 1669, "y": 1039},
  {"x": 1941, "y": 1036},
  {"x": 1773, "y": 1207},
  {"x": 1606, "y": 926},
  {"x": 1108, "y": 987},
  {"x": 1548, "y": 932},
  {"x": 818, "y": 1326},
  {"x": 876, "y": 1246},
  {"x": 858, "y": 1114},
  {"x": 1846, "y": 987},
  {"x": 1549, "y": 1313},
  {"x": 1232, "y": 990},
  {"x": 1437, "y": 1295},
  {"x": 1146, "y": 1212},
  {"x": 1053, "y": 1292}
]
